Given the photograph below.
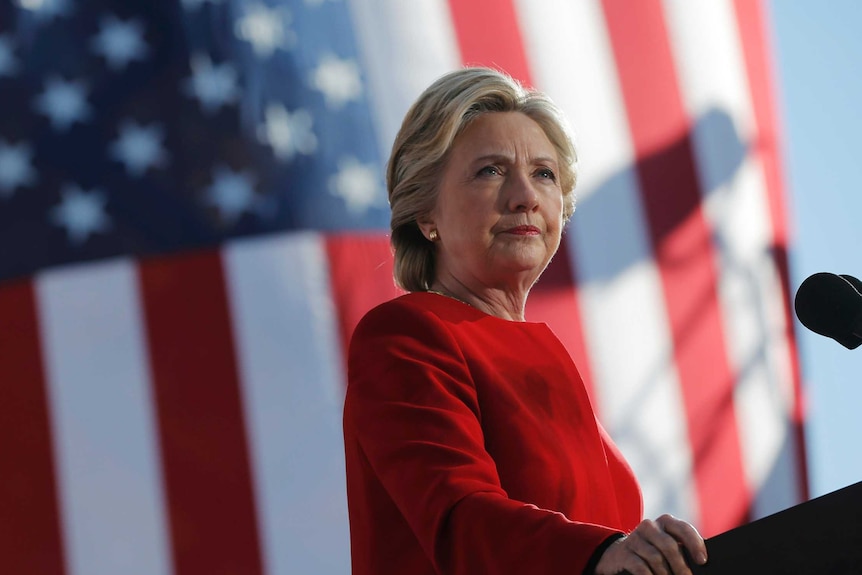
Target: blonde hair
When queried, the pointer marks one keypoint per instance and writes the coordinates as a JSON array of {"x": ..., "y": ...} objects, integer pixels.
[{"x": 421, "y": 150}]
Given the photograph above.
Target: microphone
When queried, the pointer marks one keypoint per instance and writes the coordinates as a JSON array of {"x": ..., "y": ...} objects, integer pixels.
[
  {"x": 853, "y": 281},
  {"x": 831, "y": 305}
]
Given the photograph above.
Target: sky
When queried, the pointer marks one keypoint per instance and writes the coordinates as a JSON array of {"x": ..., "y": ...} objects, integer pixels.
[{"x": 817, "y": 50}]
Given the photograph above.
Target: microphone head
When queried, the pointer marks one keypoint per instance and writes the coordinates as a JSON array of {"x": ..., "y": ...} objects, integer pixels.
[
  {"x": 830, "y": 305},
  {"x": 856, "y": 283}
]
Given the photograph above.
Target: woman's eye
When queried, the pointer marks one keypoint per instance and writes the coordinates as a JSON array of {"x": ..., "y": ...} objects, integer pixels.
[
  {"x": 489, "y": 171},
  {"x": 547, "y": 174}
]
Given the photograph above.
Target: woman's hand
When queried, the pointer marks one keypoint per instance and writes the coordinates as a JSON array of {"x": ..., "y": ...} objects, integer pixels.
[{"x": 654, "y": 548}]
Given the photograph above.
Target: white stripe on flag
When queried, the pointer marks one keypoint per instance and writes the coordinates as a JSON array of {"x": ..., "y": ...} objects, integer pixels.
[
  {"x": 290, "y": 362},
  {"x": 405, "y": 46},
  {"x": 107, "y": 456},
  {"x": 712, "y": 75},
  {"x": 625, "y": 326}
]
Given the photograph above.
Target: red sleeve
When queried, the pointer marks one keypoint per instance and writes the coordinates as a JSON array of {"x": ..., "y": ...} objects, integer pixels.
[
  {"x": 631, "y": 509},
  {"x": 411, "y": 407}
]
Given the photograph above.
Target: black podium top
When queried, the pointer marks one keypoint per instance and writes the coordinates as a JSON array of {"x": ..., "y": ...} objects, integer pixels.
[{"x": 822, "y": 536}]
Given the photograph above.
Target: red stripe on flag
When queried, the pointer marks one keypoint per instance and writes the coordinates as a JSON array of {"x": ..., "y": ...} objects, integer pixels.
[
  {"x": 752, "y": 29},
  {"x": 684, "y": 255},
  {"x": 30, "y": 532},
  {"x": 202, "y": 433},
  {"x": 488, "y": 35},
  {"x": 360, "y": 272}
]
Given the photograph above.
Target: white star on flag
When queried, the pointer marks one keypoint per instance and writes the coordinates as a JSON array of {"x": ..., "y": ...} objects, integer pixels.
[
  {"x": 45, "y": 10},
  {"x": 82, "y": 213},
  {"x": 16, "y": 169},
  {"x": 232, "y": 193},
  {"x": 63, "y": 102},
  {"x": 120, "y": 42},
  {"x": 213, "y": 86},
  {"x": 357, "y": 184},
  {"x": 287, "y": 134},
  {"x": 338, "y": 80},
  {"x": 139, "y": 148},
  {"x": 266, "y": 30},
  {"x": 8, "y": 63}
]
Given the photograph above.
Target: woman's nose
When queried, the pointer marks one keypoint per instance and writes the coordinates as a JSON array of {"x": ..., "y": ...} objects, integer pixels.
[{"x": 522, "y": 195}]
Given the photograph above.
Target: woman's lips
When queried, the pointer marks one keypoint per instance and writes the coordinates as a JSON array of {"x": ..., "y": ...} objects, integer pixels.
[{"x": 524, "y": 231}]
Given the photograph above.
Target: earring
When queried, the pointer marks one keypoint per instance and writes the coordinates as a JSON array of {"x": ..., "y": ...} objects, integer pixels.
[{"x": 432, "y": 235}]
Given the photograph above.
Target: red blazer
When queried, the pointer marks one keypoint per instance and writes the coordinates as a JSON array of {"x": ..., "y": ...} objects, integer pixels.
[{"x": 471, "y": 447}]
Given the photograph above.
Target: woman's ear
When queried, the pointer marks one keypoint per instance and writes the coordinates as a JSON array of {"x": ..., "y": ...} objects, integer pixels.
[{"x": 428, "y": 228}]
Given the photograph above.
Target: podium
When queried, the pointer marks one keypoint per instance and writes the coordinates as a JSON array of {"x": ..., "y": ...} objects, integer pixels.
[{"x": 823, "y": 536}]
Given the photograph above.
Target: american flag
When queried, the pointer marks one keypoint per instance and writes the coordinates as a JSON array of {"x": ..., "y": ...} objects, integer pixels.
[{"x": 193, "y": 218}]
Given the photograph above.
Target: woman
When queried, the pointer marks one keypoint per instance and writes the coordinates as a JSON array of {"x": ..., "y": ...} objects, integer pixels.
[{"x": 471, "y": 445}]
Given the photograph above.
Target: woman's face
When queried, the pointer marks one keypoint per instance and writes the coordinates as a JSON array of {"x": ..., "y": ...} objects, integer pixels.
[{"x": 499, "y": 212}]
